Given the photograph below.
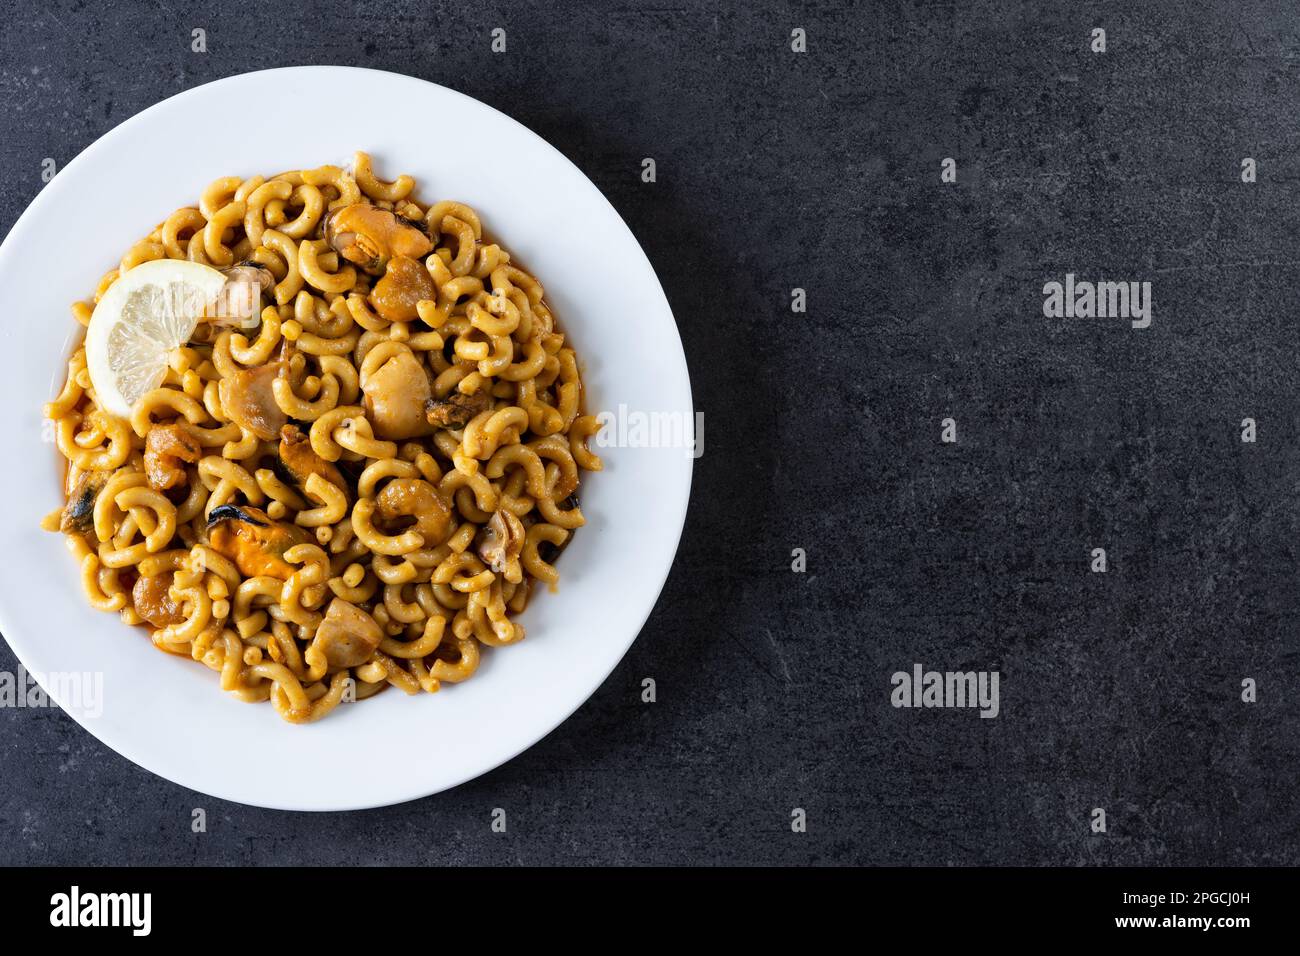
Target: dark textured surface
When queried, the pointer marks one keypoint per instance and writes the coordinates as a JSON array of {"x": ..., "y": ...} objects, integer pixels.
[{"x": 820, "y": 171}]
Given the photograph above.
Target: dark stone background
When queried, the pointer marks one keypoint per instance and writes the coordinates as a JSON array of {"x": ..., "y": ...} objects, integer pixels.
[{"x": 820, "y": 171}]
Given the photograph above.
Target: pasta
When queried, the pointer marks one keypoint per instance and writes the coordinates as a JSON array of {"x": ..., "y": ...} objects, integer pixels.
[{"x": 361, "y": 489}]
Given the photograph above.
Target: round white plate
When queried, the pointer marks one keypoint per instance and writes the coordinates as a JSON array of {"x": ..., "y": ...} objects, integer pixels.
[{"x": 166, "y": 713}]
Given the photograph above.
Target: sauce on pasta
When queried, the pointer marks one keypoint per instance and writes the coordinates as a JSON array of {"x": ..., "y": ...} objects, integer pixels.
[{"x": 360, "y": 490}]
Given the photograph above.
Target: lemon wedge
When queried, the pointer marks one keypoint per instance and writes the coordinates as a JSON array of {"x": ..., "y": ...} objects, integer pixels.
[{"x": 145, "y": 314}]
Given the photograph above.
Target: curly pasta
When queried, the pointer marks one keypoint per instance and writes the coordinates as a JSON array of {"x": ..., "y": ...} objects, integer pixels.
[{"x": 364, "y": 487}]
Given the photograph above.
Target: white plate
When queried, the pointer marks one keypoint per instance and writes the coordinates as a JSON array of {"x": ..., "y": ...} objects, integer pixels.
[{"x": 167, "y": 714}]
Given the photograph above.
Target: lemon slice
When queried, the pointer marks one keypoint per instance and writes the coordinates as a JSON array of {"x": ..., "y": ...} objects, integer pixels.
[{"x": 149, "y": 311}]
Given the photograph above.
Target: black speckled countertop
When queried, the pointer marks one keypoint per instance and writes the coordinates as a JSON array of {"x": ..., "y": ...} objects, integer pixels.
[{"x": 821, "y": 171}]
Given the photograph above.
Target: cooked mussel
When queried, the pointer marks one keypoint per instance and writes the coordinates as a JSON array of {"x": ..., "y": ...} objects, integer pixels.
[
  {"x": 370, "y": 236},
  {"x": 300, "y": 461},
  {"x": 253, "y": 540},
  {"x": 79, "y": 513},
  {"x": 457, "y": 409}
]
